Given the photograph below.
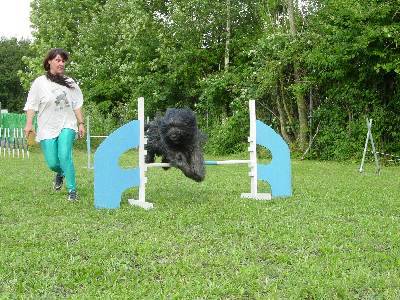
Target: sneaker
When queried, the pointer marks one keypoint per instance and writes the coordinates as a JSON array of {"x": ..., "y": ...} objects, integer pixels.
[
  {"x": 72, "y": 196},
  {"x": 58, "y": 182}
]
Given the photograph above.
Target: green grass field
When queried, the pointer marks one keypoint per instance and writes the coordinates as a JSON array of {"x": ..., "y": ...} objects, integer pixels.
[{"x": 338, "y": 237}]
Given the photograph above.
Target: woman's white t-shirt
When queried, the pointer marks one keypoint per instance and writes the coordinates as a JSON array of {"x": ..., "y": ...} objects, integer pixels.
[{"x": 55, "y": 105}]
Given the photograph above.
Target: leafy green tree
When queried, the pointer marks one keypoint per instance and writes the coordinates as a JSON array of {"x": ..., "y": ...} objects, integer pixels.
[
  {"x": 354, "y": 62},
  {"x": 12, "y": 94},
  {"x": 311, "y": 65},
  {"x": 280, "y": 69},
  {"x": 56, "y": 24},
  {"x": 118, "y": 49}
]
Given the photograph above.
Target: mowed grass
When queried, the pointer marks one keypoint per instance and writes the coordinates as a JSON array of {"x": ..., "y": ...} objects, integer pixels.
[{"x": 338, "y": 237}]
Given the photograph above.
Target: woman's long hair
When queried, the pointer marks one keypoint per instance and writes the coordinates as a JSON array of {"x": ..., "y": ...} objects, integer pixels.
[{"x": 60, "y": 79}]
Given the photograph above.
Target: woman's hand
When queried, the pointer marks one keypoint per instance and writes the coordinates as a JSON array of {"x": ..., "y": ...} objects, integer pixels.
[
  {"x": 28, "y": 129},
  {"x": 30, "y": 114},
  {"x": 81, "y": 130}
]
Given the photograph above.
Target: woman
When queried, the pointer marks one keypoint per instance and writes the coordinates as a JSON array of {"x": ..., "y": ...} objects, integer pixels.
[{"x": 58, "y": 100}]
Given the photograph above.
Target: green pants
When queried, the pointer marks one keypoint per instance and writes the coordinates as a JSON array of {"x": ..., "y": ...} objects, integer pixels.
[{"x": 58, "y": 155}]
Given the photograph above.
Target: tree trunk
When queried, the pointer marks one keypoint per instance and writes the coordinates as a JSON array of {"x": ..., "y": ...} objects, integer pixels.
[
  {"x": 228, "y": 34},
  {"x": 288, "y": 107},
  {"x": 300, "y": 100},
  {"x": 282, "y": 121},
  {"x": 302, "y": 111},
  {"x": 292, "y": 24}
]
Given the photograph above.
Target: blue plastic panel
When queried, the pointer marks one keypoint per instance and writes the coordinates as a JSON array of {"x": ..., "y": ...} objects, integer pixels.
[
  {"x": 110, "y": 180},
  {"x": 278, "y": 172}
]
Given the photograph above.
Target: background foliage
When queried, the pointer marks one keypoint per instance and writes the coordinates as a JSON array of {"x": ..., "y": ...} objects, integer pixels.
[
  {"x": 311, "y": 65},
  {"x": 12, "y": 94}
]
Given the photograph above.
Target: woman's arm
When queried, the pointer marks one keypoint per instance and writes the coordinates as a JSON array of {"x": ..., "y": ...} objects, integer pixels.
[
  {"x": 30, "y": 114},
  {"x": 81, "y": 123}
]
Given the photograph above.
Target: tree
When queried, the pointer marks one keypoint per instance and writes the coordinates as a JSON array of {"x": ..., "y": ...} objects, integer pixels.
[
  {"x": 299, "y": 91},
  {"x": 215, "y": 55},
  {"x": 12, "y": 94},
  {"x": 280, "y": 69},
  {"x": 56, "y": 24},
  {"x": 354, "y": 61}
]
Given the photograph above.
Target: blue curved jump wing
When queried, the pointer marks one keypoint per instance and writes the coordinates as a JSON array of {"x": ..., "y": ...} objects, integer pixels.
[
  {"x": 278, "y": 172},
  {"x": 110, "y": 180}
]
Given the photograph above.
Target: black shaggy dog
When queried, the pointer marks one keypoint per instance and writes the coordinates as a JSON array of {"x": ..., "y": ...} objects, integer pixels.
[{"x": 176, "y": 138}]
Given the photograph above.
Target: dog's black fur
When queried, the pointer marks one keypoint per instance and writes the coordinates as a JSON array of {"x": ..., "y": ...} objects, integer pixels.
[{"x": 176, "y": 138}]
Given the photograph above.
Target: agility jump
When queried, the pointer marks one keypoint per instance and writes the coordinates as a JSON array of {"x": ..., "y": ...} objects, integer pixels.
[{"x": 110, "y": 180}]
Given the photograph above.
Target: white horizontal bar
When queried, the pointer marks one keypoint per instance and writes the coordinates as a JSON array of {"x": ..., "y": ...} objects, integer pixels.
[
  {"x": 226, "y": 162},
  {"x": 99, "y": 136},
  {"x": 158, "y": 165},
  {"x": 207, "y": 162}
]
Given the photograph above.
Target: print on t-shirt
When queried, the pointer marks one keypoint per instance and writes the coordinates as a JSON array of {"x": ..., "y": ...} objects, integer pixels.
[{"x": 61, "y": 99}]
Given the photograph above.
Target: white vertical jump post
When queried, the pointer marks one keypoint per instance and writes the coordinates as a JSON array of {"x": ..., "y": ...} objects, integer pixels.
[
  {"x": 141, "y": 202},
  {"x": 1, "y": 141},
  {"x": 8, "y": 142},
  {"x": 88, "y": 142},
  {"x": 253, "y": 158},
  {"x": 13, "y": 148},
  {"x": 88, "y": 150}
]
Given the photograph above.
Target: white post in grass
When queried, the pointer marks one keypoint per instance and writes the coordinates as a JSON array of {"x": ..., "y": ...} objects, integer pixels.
[
  {"x": 22, "y": 144},
  {"x": 27, "y": 148},
  {"x": 253, "y": 148},
  {"x": 17, "y": 131},
  {"x": 8, "y": 143},
  {"x": 141, "y": 202},
  {"x": 5, "y": 142},
  {"x": 1, "y": 142},
  {"x": 253, "y": 158},
  {"x": 88, "y": 141},
  {"x": 13, "y": 146}
]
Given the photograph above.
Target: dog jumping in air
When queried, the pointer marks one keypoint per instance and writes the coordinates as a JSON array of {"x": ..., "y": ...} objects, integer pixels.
[{"x": 177, "y": 139}]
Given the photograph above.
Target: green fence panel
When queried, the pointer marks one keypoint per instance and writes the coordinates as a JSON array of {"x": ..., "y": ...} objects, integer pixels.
[{"x": 12, "y": 120}]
